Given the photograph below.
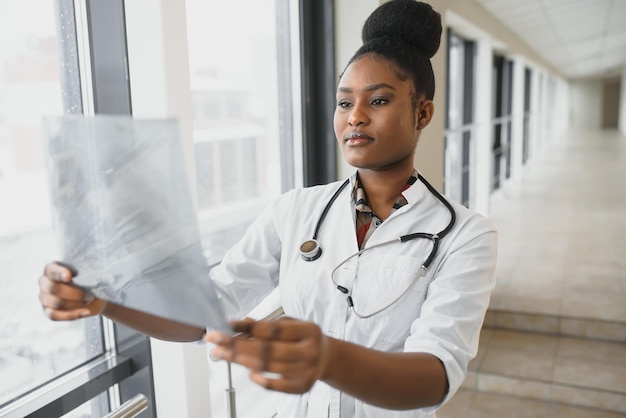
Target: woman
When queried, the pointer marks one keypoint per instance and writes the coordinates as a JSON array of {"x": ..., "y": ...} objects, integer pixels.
[{"x": 374, "y": 327}]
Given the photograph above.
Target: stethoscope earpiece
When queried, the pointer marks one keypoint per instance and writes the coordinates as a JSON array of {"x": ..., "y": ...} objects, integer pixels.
[{"x": 310, "y": 250}]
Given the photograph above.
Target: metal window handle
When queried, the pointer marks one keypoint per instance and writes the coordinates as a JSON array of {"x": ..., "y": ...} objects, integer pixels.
[{"x": 130, "y": 408}]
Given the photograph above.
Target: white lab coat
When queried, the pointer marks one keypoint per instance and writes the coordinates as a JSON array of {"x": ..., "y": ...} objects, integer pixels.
[{"x": 441, "y": 313}]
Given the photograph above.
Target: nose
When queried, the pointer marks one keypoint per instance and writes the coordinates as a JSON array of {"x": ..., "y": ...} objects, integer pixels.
[{"x": 358, "y": 116}]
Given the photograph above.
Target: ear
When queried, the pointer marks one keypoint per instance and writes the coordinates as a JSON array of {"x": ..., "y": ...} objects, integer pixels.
[{"x": 425, "y": 112}]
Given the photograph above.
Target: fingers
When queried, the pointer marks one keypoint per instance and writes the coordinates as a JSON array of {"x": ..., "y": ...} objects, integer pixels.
[
  {"x": 61, "y": 290},
  {"x": 285, "y": 329},
  {"x": 271, "y": 356},
  {"x": 59, "y": 298},
  {"x": 298, "y": 385},
  {"x": 293, "y": 351},
  {"x": 59, "y": 271}
]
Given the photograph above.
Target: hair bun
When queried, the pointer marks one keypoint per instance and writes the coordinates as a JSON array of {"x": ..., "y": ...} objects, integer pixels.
[{"x": 414, "y": 22}]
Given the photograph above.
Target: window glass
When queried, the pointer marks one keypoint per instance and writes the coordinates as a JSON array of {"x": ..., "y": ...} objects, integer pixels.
[
  {"x": 33, "y": 349},
  {"x": 235, "y": 91},
  {"x": 502, "y": 82},
  {"x": 459, "y": 120},
  {"x": 239, "y": 67}
]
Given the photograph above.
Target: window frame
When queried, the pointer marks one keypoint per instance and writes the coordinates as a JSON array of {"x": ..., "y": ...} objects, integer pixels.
[
  {"x": 126, "y": 366},
  {"x": 317, "y": 46},
  {"x": 467, "y": 127}
]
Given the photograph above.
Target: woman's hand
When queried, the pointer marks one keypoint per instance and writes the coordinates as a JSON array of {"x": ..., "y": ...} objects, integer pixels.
[
  {"x": 61, "y": 300},
  {"x": 294, "y": 352}
]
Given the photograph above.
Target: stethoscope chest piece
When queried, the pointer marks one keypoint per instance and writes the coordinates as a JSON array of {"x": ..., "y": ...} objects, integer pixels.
[{"x": 310, "y": 250}]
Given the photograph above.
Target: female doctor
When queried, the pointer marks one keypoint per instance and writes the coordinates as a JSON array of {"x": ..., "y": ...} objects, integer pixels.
[{"x": 384, "y": 282}]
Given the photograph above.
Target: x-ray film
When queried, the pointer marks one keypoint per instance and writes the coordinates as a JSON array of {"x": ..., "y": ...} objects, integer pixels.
[{"x": 123, "y": 213}]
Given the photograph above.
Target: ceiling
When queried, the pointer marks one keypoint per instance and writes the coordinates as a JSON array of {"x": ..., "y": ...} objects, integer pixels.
[{"x": 582, "y": 38}]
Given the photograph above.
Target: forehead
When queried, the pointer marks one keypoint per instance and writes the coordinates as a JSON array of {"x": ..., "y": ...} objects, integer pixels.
[{"x": 370, "y": 70}]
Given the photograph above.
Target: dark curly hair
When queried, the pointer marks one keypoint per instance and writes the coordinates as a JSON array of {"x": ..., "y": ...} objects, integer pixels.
[{"x": 407, "y": 33}]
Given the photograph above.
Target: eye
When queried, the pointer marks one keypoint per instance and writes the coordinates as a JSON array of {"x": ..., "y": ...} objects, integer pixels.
[
  {"x": 343, "y": 104},
  {"x": 379, "y": 101}
]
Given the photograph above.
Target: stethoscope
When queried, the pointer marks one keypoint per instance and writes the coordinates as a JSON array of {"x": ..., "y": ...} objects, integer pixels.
[{"x": 310, "y": 250}]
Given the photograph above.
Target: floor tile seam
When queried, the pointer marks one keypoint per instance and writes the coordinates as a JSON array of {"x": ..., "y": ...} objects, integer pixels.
[
  {"x": 560, "y": 333},
  {"x": 515, "y": 396},
  {"x": 595, "y": 360},
  {"x": 555, "y": 403},
  {"x": 518, "y": 349},
  {"x": 551, "y": 383},
  {"x": 550, "y": 403},
  {"x": 559, "y": 316}
]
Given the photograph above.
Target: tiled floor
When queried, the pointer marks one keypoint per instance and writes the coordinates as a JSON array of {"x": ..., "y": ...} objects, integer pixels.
[
  {"x": 562, "y": 231},
  {"x": 554, "y": 344},
  {"x": 562, "y": 238}
]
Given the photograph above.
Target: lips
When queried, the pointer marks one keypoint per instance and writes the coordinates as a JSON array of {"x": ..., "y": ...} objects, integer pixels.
[{"x": 357, "y": 138}]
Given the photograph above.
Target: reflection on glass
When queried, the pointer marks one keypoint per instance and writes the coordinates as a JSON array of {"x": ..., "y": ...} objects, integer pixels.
[
  {"x": 459, "y": 120},
  {"x": 235, "y": 97},
  {"x": 33, "y": 349},
  {"x": 234, "y": 74}
]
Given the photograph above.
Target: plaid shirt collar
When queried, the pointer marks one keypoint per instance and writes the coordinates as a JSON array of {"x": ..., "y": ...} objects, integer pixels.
[{"x": 359, "y": 197}]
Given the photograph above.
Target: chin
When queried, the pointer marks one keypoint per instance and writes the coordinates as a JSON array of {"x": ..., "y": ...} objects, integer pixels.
[{"x": 358, "y": 163}]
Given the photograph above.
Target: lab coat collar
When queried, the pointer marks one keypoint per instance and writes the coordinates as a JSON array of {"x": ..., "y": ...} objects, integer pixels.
[{"x": 413, "y": 194}]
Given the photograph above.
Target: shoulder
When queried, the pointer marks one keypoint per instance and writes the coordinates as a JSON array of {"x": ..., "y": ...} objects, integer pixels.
[
  {"x": 471, "y": 230},
  {"x": 470, "y": 218}
]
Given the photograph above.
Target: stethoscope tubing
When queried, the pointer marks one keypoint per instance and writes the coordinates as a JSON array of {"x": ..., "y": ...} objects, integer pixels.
[
  {"x": 327, "y": 207},
  {"x": 434, "y": 238}
]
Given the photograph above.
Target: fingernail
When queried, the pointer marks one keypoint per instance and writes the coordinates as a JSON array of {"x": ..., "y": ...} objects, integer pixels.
[
  {"x": 214, "y": 338},
  {"x": 217, "y": 353},
  {"x": 68, "y": 266}
]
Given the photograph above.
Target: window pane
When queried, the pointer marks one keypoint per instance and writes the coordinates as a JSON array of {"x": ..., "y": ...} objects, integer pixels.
[
  {"x": 235, "y": 94},
  {"x": 237, "y": 91},
  {"x": 33, "y": 349}
]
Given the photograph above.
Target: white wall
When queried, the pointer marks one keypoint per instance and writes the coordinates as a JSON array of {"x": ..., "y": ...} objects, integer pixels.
[
  {"x": 482, "y": 117},
  {"x": 586, "y": 104}
]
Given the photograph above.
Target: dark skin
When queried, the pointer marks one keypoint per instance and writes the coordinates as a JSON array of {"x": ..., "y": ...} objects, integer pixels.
[{"x": 377, "y": 126}]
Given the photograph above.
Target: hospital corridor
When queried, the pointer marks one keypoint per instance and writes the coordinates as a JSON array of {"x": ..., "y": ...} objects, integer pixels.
[{"x": 554, "y": 341}]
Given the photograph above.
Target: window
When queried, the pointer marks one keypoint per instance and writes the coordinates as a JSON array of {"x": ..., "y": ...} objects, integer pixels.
[
  {"x": 33, "y": 349},
  {"x": 502, "y": 79},
  {"x": 239, "y": 142},
  {"x": 71, "y": 369},
  {"x": 243, "y": 136},
  {"x": 247, "y": 133},
  {"x": 527, "y": 115},
  {"x": 460, "y": 128}
]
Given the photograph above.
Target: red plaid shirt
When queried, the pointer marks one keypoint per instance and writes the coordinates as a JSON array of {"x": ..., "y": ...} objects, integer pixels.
[{"x": 366, "y": 220}]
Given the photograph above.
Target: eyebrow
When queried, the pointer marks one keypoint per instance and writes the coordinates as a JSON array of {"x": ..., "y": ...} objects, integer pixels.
[{"x": 372, "y": 87}]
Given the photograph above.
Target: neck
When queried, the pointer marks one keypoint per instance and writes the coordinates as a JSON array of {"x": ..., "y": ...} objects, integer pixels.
[{"x": 382, "y": 188}]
